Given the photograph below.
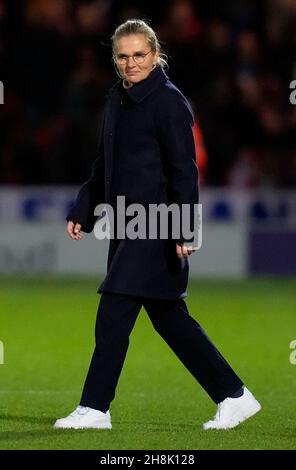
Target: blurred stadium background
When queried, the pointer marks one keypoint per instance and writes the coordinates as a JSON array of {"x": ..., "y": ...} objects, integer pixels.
[{"x": 235, "y": 61}]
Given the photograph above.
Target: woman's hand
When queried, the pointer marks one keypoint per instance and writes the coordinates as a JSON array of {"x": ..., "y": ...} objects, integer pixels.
[
  {"x": 184, "y": 251},
  {"x": 74, "y": 230}
]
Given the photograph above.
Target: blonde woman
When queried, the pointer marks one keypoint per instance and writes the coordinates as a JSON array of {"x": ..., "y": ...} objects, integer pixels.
[{"x": 147, "y": 154}]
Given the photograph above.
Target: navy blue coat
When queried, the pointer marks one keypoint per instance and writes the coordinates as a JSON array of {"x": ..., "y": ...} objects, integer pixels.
[{"x": 147, "y": 154}]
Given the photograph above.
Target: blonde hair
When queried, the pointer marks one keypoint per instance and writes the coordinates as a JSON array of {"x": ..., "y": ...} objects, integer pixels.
[{"x": 136, "y": 26}]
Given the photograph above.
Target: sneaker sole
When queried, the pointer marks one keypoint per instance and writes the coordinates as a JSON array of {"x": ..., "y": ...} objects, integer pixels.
[{"x": 101, "y": 426}]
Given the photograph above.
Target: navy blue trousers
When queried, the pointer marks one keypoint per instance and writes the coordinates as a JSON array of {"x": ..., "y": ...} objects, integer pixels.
[{"x": 115, "y": 320}]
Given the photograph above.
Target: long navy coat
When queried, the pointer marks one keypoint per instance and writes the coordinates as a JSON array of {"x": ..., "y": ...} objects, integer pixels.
[{"x": 147, "y": 154}]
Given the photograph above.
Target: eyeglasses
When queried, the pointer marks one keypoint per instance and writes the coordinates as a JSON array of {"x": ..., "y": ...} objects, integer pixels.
[{"x": 138, "y": 58}]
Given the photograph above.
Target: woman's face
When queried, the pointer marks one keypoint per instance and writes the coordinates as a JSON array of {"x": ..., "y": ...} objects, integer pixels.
[{"x": 134, "y": 58}]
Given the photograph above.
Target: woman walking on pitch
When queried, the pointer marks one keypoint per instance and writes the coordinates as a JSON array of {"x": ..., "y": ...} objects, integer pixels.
[{"x": 147, "y": 154}]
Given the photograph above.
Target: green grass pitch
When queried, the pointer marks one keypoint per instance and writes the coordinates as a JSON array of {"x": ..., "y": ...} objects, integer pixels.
[{"x": 46, "y": 326}]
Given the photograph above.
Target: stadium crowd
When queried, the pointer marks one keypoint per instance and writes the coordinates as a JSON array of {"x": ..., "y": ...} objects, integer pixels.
[{"x": 234, "y": 60}]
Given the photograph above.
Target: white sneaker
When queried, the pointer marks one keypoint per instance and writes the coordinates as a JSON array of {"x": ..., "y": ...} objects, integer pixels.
[
  {"x": 233, "y": 411},
  {"x": 84, "y": 417}
]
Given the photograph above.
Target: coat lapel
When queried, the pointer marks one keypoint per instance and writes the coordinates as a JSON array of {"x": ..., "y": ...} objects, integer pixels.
[{"x": 111, "y": 116}]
